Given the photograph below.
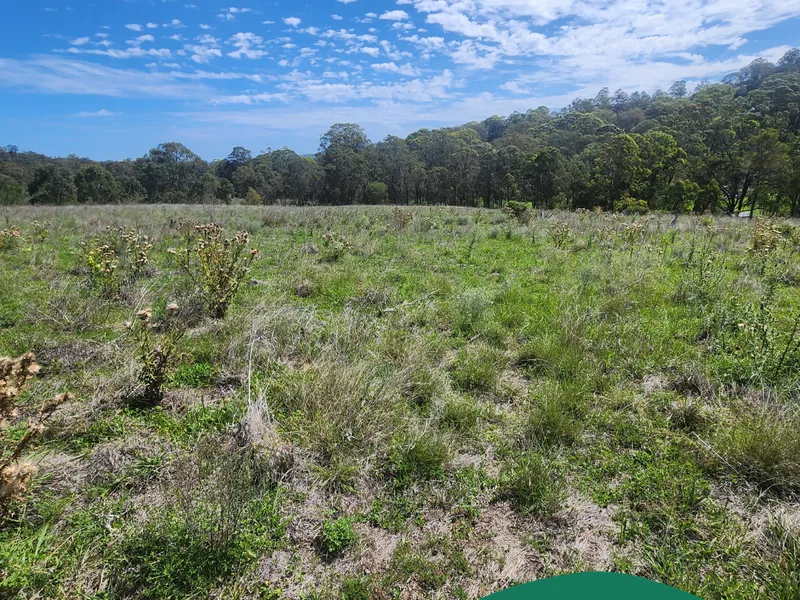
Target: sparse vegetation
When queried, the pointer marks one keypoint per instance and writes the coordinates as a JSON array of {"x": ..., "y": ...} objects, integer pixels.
[{"x": 395, "y": 402}]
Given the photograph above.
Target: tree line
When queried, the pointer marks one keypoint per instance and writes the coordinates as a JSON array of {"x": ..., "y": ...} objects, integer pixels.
[{"x": 729, "y": 147}]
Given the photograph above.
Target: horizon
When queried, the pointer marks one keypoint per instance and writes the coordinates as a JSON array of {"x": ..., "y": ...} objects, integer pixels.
[{"x": 112, "y": 82}]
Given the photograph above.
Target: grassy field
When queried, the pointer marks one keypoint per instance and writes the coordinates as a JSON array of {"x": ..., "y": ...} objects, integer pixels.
[{"x": 408, "y": 403}]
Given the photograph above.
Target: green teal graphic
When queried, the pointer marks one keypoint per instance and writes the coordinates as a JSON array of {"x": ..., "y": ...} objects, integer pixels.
[{"x": 596, "y": 586}]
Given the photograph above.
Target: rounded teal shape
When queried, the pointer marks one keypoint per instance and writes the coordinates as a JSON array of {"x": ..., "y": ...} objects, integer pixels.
[{"x": 594, "y": 586}]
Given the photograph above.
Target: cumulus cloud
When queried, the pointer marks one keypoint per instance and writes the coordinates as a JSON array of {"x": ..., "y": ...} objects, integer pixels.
[
  {"x": 394, "y": 15},
  {"x": 337, "y": 17},
  {"x": 80, "y": 41},
  {"x": 134, "y": 27},
  {"x": 247, "y": 46},
  {"x": 391, "y": 67},
  {"x": 292, "y": 21},
  {"x": 152, "y": 25}
]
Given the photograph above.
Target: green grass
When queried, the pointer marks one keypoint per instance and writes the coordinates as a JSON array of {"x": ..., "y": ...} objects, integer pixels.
[{"x": 426, "y": 389}]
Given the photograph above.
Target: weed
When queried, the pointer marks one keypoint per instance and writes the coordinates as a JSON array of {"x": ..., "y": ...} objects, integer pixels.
[
  {"x": 15, "y": 472},
  {"x": 217, "y": 265},
  {"x": 156, "y": 349},
  {"x": 336, "y": 536}
]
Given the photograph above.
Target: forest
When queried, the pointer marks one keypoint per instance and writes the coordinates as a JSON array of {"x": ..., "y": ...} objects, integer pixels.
[{"x": 726, "y": 147}]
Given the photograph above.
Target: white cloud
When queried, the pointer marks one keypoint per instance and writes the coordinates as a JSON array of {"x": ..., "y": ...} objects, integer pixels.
[
  {"x": 207, "y": 49},
  {"x": 176, "y": 37},
  {"x": 251, "y": 99},
  {"x": 175, "y": 23},
  {"x": 80, "y": 41},
  {"x": 152, "y": 25},
  {"x": 346, "y": 1},
  {"x": 204, "y": 26},
  {"x": 391, "y": 67},
  {"x": 337, "y": 17},
  {"x": 98, "y": 113},
  {"x": 133, "y": 51},
  {"x": 101, "y": 35},
  {"x": 247, "y": 45},
  {"x": 268, "y": 22},
  {"x": 144, "y": 38},
  {"x": 371, "y": 50},
  {"x": 292, "y": 21},
  {"x": 394, "y": 15},
  {"x": 55, "y": 75},
  {"x": 134, "y": 27},
  {"x": 403, "y": 26}
]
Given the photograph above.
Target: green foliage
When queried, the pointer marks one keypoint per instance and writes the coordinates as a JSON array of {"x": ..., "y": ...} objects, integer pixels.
[
  {"x": 477, "y": 368},
  {"x": 195, "y": 375},
  {"x": 377, "y": 193},
  {"x": 336, "y": 536}
]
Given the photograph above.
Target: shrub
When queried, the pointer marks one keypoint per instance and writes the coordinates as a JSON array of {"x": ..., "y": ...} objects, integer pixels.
[
  {"x": 460, "y": 415},
  {"x": 40, "y": 231},
  {"x": 156, "y": 349},
  {"x": 533, "y": 486},
  {"x": 103, "y": 263},
  {"x": 519, "y": 211},
  {"x": 334, "y": 247},
  {"x": 356, "y": 588},
  {"x": 9, "y": 238},
  {"x": 632, "y": 206},
  {"x": 252, "y": 197},
  {"x": 336, "y": 536},
  {"x": 560, "y": 233},
  {"x": 377, "y": 192},
  {"x": 401, "y": 217},
  {"x": 217, "y": 265},
  {"x": 766, "y": 236},
  {"x": 15, "y": 473}
]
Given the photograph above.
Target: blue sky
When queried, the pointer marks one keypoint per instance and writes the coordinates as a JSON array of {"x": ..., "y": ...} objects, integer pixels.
[{"x": 112, "y": 79}]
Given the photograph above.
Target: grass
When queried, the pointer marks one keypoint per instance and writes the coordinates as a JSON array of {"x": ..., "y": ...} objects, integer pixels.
[{"x": 436, "y": 402}]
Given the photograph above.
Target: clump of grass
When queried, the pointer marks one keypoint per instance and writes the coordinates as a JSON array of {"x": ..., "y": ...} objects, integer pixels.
[
  {"x": 356, "y": 588},
  {"x": 15, "y": 472},
  {"x": 418, "y": 457},
  {"x": 533, "y": 486},
  {"x": 553, "y": 418},
  {"x": 763, "y": 445},
  {"x": 156, "y": 350},
  {"x": 336, "y": 536},
  {"x": 217, "y": 265},
  {"x": 469, "y": 311},
  {"x": 460, "y": 415},
  {"x": 477, "y": 367}
]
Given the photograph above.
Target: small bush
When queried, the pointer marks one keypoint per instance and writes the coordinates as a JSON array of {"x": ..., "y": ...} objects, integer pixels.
[
  {"x": 533, "y": 486},
  {"x": 519, "y": 211},
  {"x": 401, "y": 217},
  {"x": 336, "y": 536},
  {"x": 156, "y": 349},
  {"x": 560, "y": 233},
  {"x": 217, "y": 265},
  {"x": 334, "y": 248},
  {"x": 9, "y": 238}
]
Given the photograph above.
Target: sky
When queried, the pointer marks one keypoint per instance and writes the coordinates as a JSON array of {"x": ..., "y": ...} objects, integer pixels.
[{"x": 112, "y": 79}]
